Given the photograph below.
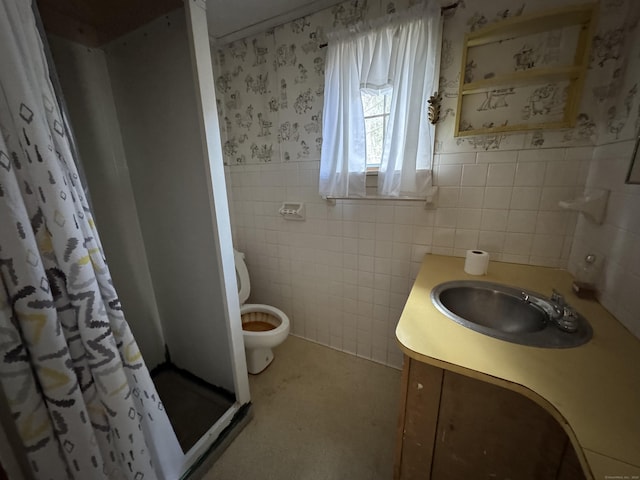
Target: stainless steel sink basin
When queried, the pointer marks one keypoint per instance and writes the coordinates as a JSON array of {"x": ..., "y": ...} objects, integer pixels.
[{"x": 512, "y": 314}]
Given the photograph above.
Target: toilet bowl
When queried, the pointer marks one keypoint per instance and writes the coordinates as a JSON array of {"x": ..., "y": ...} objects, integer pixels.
[{"x": 263, "y": 326}]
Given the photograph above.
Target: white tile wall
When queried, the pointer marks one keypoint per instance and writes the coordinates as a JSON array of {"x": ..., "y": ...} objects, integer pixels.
[
  {"x": 530, "y": 174},
  {"x": 344, "y": 274},
  {"x": 617, "y": 241}
]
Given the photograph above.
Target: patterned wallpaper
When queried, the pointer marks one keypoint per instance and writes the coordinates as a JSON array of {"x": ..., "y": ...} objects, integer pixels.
[
  {"x": 270, "y": 86},
  {"x": 609, "y": 107}
]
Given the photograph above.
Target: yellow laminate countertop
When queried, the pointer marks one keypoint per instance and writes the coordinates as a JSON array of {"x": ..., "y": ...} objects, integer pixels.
[{"x": 592, "y": 390}]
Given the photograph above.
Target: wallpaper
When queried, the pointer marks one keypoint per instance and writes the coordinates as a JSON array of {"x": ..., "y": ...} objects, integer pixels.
[
  {"x": 609, "y": 107},
  {"x": 270, "y": 86}
]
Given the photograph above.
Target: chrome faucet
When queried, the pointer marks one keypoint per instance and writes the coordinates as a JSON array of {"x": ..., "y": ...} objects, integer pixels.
[{"x": 564, "y": 316}]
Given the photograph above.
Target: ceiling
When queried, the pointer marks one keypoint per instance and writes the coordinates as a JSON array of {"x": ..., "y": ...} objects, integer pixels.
[
  {"x": 232, "y": 20},
  {"x": 96, "y": 22}
]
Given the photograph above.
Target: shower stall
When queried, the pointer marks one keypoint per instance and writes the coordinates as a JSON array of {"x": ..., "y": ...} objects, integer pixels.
[{"x": 138, "y": 90}]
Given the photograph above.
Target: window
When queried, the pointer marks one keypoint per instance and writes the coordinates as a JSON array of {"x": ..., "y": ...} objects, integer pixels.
[
  {"x": 376, "y": 106},
  {"x": 378, "y": 79}
]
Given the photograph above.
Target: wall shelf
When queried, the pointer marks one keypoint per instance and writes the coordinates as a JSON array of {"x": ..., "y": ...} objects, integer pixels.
[{"x": 525, "y": 72}]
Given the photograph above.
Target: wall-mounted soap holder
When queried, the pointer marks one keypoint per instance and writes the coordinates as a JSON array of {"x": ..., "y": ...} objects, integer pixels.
[
  {"x": 292, "y": 211},
  {"x": 593, "y": 204}
]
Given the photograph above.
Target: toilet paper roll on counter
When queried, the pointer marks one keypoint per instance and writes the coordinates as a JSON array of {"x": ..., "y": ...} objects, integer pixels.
[{"x": 476, "y": 262}]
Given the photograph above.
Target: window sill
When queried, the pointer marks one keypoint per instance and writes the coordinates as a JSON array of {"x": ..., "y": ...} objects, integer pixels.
[
  {"x": 371, "y": 194},
  {"x": 332, "y": 200}
]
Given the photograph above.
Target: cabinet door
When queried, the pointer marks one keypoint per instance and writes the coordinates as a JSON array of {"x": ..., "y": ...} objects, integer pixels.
[
  {"x": 421, "y": 384},
  {"x": 485, "y": 431}
]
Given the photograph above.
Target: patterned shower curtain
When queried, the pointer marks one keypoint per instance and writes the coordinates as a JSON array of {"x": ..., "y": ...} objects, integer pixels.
[{"x": 81, "y": 396}]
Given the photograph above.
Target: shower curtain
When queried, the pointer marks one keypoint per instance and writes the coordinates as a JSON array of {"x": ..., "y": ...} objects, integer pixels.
[{"x": 81, "y": 396}]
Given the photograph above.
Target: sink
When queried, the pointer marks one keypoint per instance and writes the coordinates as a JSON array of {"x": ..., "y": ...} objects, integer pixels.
[{"x": 512, "y": 314}]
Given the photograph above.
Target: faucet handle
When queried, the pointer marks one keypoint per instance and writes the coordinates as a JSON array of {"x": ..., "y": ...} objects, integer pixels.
[
  {"x": 557, "y": 298},
  {"x": 569, "y": 320}
]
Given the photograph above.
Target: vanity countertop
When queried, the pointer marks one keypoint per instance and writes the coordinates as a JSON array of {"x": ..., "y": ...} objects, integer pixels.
[{"x": 592, "y": 390}]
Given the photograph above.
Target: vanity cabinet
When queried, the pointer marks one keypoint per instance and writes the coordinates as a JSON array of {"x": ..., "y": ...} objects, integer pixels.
[{"x": 455, "y": 427}]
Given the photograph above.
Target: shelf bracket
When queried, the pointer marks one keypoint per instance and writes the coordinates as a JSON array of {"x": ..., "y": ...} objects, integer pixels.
[{"x": 593, "y": 204}]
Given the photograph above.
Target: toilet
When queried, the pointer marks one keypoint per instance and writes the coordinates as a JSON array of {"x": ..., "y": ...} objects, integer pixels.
[{"x": 263, "y": 326}]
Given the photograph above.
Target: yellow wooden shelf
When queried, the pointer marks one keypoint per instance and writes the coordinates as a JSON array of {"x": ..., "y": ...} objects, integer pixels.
[
  {"x": 530, "y": 24},
  {"x": 538, "y": 76},
  {"x": 521, "y": 27},
  {"x": 512, "y": 128}
]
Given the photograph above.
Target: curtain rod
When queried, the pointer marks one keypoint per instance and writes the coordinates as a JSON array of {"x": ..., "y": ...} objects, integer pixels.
[{"x": 442, "y": 10}]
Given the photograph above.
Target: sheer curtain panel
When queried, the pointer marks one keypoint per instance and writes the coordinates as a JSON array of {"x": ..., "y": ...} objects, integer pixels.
[{"x": 399, "y": 53}]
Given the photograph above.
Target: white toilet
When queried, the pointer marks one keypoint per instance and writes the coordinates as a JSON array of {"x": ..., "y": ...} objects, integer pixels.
[{"x": 263, "y": 326}]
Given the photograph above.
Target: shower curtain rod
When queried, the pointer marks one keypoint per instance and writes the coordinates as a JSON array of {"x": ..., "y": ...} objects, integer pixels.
[{"x": 442, "y": 10}]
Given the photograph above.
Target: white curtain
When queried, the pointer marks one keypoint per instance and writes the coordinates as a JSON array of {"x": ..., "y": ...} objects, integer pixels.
[
  {"x": 343, "y": 157},
  {"x": 399, "y": 52},
  {"x": 80, "y": 394}
]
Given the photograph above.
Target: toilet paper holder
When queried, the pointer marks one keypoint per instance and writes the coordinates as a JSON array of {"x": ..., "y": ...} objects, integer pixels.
[{"x": 593, "y": 204}]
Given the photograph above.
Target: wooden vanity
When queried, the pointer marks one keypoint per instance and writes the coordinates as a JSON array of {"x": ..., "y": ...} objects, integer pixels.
[
  {"x": 477, "y": 407},
  {"x": 456, "y": 427}
]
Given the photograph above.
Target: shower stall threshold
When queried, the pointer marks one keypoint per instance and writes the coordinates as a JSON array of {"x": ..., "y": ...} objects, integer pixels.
[{"x": 201, "y": 457}]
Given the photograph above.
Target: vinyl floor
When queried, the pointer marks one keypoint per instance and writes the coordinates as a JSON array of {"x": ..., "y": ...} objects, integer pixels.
[{"x": 317, "y": 414}]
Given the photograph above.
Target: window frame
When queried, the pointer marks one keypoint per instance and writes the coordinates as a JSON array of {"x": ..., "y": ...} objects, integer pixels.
[{"x": 371, "y": 168}]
